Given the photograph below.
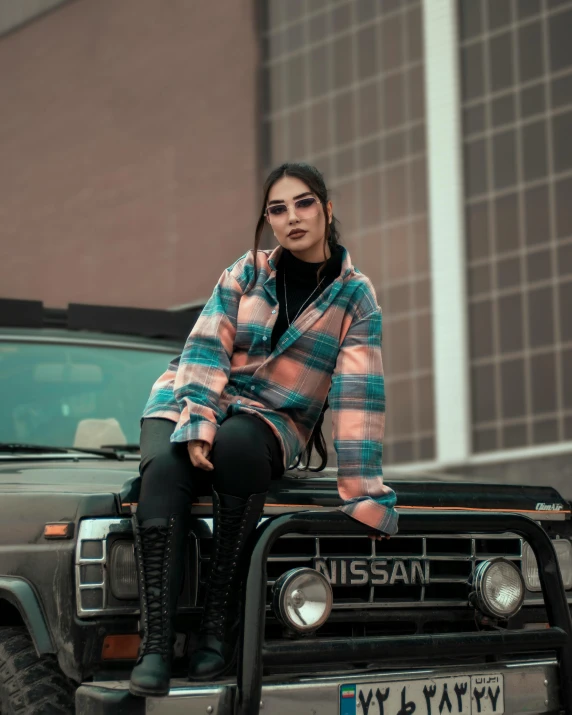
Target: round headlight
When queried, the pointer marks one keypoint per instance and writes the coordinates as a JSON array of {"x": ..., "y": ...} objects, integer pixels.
[
  {"x": 499, "y": 588},
  {"x": 302, "y": 599}
]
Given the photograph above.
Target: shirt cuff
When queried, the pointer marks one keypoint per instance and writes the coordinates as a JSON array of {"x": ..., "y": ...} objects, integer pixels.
[
  {"x": 372, "y": 513},
  {"x": 203, "y": 430}
]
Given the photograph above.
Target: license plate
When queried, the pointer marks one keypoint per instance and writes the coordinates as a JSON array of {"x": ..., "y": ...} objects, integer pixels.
[{"x": 462, "y": 695}]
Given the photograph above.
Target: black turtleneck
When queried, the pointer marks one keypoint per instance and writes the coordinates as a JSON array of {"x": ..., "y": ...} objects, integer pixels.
[{"x": 301, "y": 280}]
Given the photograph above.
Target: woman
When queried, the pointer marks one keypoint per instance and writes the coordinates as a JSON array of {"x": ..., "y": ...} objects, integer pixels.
[{"x": 283, "y": 329}]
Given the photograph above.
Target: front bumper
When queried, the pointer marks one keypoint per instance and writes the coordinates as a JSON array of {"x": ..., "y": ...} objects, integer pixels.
[
  {"x": 529, "y": 688},
  {"x": 256, "y": 654},
  {"x": 525, "y": 691}
]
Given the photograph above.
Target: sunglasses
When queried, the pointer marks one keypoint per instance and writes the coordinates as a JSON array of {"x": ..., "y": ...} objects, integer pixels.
[{"x": 306, "y": 207}]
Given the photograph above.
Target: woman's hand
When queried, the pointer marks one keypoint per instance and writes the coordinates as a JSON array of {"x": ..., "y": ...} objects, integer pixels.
[
  {"x": 379, "y": 537},
  {"x": 198, "y": 452}
]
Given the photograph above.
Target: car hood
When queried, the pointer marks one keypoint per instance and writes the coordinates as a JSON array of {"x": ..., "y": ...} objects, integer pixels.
[
  {"x": 82, "y": 477},
  {"x": 121, "y": 478}
]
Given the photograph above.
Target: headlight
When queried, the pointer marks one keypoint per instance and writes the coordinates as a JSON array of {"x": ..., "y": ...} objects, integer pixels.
[
  {"x": 302, "y": 599},
  {"x": 498, "y": 588},
  {"x": 563, "y": 550},
  {"x": 122, "y": 571}
]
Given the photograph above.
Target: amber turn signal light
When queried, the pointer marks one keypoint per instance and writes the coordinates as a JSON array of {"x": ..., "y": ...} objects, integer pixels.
[
  {"x": 124, "y": 647},
  {"x": 60, "y": 530}
]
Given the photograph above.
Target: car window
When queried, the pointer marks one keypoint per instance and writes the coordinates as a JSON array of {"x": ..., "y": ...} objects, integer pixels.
[{"x": 73, "y": 395}]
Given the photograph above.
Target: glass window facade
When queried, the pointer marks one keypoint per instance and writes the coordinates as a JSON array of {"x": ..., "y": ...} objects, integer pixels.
[
  {"x": 343, "y": 88},
  {"x": 516, "y": 83}
]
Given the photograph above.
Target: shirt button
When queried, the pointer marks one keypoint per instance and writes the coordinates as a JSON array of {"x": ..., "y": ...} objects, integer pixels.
[
  {"x": 264, "y": 337},
  {"x": 273, "y": 312},
  {"x": 252, "y": 388}
]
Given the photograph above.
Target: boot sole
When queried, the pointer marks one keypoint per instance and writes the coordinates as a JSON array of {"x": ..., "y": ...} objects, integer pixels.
[{"x": 144, "y": 693}]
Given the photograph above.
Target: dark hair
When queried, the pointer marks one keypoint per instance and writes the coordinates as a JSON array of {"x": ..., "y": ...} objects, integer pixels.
[{"x": 315, "y": 182}]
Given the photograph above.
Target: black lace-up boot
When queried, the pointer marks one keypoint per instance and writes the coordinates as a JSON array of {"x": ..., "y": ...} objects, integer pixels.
[
  {"x": 159, "y": 551},
  {"x": 234, "y": 521}
]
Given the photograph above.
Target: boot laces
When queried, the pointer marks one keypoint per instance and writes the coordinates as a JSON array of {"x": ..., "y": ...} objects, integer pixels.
[
  {"x": 153, "y": 540},
  {"x": 224, "y": 571}
]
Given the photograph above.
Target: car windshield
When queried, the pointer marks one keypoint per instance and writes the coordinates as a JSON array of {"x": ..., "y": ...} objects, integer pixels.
[{"x": 73, "y": 395}]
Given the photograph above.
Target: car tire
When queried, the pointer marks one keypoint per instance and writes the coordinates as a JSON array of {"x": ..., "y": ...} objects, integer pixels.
[{"x": 29, "y": 684}]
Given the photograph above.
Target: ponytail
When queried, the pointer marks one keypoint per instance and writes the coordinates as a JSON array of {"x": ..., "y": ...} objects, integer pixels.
[{"x": 318, "y": 442}]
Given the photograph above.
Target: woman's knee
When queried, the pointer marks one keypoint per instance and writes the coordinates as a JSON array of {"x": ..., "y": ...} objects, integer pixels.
[
  {"x": 166, "y": 483},
  {"x": 240, "y": 440},
  {"x": 245, "y": 456},
  {"x": 162, "y": 459},
  {"x": 167, "y": 464}
]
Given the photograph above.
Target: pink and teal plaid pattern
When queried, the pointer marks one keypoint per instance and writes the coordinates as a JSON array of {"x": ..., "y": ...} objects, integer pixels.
[{"x": 333, "y": 347}]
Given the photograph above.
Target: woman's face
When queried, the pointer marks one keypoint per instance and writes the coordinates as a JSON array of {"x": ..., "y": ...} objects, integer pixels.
[{"x": 298, "y": 222}]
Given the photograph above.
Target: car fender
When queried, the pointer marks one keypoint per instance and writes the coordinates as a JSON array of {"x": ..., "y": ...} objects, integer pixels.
[{"x": 20, "y": 594}]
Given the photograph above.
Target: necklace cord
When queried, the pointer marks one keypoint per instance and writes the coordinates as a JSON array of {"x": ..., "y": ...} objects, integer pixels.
[{"x": 303, "y": 304}]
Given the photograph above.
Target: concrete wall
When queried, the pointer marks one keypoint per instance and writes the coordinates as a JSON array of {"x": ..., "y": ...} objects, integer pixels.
[{"x": 128, "y": 137}]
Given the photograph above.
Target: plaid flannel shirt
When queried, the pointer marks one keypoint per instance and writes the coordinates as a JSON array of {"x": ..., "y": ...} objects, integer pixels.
[{"x": 332, "y": 350}]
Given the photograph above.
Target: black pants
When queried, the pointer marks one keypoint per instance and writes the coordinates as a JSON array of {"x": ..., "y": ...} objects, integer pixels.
[{"x": 246, "y": 456}]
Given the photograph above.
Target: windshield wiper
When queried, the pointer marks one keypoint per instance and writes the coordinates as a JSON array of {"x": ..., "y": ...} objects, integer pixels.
[
  {"x": 43, "y": 449},
  {"x": 24, "y": 447},
  {"x": 133, "y": 447}
]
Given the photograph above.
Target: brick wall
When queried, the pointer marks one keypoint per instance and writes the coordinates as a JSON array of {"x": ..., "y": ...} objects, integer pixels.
[{"x": 128, "y": 137}]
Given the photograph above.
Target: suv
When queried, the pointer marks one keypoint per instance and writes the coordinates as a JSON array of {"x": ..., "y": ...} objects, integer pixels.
[{"x": 464, "y": 612}]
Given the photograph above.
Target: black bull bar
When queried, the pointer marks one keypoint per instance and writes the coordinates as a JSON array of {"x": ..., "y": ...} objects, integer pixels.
[{"x": 254, "y": 653}]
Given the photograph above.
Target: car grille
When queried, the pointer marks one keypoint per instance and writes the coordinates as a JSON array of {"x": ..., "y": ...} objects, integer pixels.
[
  {"x": 445, "y": 562},
  {"x": 427, "y": 570}
]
